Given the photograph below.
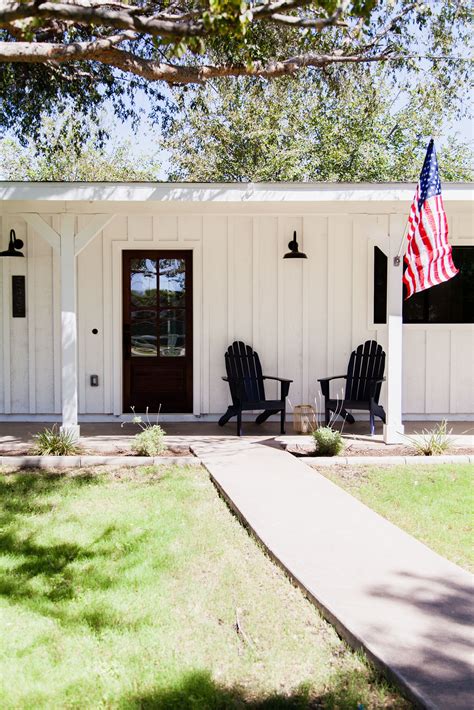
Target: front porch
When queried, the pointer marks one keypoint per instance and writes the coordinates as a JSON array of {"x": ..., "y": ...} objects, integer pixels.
[
  {"x": 66, "y": 354},
  {"x": 16, "y": 438}
]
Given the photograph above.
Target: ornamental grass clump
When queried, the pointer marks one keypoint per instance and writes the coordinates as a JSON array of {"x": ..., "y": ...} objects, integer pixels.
[
  {"x": 432, "y": 442},
  {"x": 51, "y": 442},
  {"x": 329, "y": 442}
]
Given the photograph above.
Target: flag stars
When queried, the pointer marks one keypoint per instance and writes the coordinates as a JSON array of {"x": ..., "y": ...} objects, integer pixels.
[{"x": 430, "y": 184}]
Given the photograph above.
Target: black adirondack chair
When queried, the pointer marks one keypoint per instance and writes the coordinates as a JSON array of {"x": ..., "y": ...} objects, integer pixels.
[
  {"x": 363, "y": 384},
  {"x": 246, "y": 382}
]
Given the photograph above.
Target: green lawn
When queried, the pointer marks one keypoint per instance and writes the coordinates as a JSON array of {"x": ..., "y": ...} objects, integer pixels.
[
  {"x": 433, "y": 503},
  {"x": 139, "y": 589}
]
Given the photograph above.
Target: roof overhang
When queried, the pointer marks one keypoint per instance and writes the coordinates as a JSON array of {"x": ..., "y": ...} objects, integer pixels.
[{"x": 147, "y": 192}]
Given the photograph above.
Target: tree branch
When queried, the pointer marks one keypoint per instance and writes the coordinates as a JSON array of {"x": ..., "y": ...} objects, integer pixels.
[
  {"x": 106, "y": 3},
  {"x": 297, "y": 21},
  {"x": 143, "y": 22},
  {"x": 100, "y": 17},
  {"x": 105, "y": 51},
  {"x": 390, "y": 25},
  {"x": 270, "y": 8},
  {"x": 118, "y": 15}
]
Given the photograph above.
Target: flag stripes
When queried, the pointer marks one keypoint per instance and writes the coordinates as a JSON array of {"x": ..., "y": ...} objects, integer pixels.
[{"x": 428, "y": 256}]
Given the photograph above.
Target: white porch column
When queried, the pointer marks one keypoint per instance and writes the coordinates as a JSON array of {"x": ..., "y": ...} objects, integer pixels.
[
  {"x": 69, "y": 399},
  {"x": 393, "y": 429},
  {"x": 69, "y": 245}
]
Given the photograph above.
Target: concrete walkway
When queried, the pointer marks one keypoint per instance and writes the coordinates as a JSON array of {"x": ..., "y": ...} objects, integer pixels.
[{"x": 408, "y": 607}]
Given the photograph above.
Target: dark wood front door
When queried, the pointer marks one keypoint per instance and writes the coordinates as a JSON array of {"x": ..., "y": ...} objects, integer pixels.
[{"x": 157, "y": 331}]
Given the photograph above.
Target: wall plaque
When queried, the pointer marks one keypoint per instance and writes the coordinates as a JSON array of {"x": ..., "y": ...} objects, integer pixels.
[{"x": 18, "y": 297}]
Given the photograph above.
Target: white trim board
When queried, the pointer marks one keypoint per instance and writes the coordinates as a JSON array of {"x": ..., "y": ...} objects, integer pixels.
[{"x": 222, "y": 192}]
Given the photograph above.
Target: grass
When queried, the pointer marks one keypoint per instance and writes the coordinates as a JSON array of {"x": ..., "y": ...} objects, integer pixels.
[
  {"x": 139, "y": 589},
  {"x": 433, "y": 503}
]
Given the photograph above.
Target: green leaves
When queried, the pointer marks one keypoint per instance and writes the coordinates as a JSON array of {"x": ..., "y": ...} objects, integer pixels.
[
  {"x": 230, "y": 17},
  {"x": 328, "y": 441},
  {"x": 62, "y": 154},
  {"x": 347, "y": 125},
  {"x": 150, "y": 441}
]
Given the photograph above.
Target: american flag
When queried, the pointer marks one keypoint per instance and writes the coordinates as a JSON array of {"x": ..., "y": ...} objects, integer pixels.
[{"x": 428, "y": 257}]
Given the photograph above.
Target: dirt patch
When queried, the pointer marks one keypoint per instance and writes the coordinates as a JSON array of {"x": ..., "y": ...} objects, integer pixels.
[
  {"x": 99, "y": 452},
  {"x": 127, "y": 452},
  {"x": 308, "y": 451},
  {"x": 350, "y": 474}
]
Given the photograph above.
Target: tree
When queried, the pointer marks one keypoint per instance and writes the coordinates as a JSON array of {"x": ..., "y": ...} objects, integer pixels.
[
  {"x": 352, "y": 129},
  {"x": 85, "y": 52},
  {"x": 57, "y": 157}
]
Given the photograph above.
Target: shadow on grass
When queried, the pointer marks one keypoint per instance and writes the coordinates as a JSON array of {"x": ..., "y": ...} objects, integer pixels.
[
  {"x": 198, "y": 691},
  {"x": 20, "y": 492},
  {"x": 44, "y": 575}
]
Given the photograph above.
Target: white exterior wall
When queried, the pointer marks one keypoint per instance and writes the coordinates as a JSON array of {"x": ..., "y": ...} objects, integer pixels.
[{"x": 304, "y": 317}]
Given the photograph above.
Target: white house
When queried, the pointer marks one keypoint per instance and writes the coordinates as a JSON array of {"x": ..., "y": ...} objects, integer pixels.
[{"x": 81, "y": 337}]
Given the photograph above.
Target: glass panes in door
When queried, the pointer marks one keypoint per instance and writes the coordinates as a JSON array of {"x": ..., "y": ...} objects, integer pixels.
[
  {"x": 172, "y": 283},
  {"x": 144, "y": 313},
  {"x": 143, "y": 283},
  {"x": 172, "y": 333},
  {"x": 172, "y": 303},
  {"x": 158, "y": 307}
]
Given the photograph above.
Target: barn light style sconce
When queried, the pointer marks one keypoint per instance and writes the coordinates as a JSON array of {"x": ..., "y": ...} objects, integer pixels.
[
  {"x": 14, "y": 246},
  {"x": 294, "y": 252}
]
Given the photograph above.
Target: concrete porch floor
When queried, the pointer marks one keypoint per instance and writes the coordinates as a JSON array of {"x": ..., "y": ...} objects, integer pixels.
[{"x": 111, "y": 437}]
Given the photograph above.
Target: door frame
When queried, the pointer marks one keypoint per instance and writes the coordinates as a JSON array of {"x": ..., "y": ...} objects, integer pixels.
[
  {"x": 128, "y": 362},
  {"x": 116, "y": 355}
]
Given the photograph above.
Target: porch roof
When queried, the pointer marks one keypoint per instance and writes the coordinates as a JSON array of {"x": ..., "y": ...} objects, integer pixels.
[{"x": 265, "y": 192}]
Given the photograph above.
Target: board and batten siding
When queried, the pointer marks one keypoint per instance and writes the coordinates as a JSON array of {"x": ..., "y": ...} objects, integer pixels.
[{"x": 304, "y": 317}]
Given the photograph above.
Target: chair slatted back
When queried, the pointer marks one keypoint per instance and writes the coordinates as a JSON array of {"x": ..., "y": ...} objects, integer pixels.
[
  {"x": 244, "y": 371},
  {"x": 366, "y": 363}
]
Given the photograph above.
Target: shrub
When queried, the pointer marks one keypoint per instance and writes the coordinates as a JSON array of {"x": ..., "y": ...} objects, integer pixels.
[
  {"x": 150, "y": 441},
  {"x": 432, "y": 442},
  {"x": 51, "y": 442},
  {"x": 329, "y": 442}
]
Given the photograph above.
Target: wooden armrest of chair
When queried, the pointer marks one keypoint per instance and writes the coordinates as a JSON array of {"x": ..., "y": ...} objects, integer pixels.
[
  {"x": 324, "y": 381},
  {"x": 334, "y": 377},
  {"x": 373, "y": 382},
  {"x": 278, "y": 379},
  {"x": 284, "y": 384}
]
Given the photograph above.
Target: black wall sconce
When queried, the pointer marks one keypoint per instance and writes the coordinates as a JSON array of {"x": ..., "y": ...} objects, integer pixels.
[
  {"x": 294, "y": 252},
  {"x": 14, "y": 246}
]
